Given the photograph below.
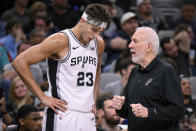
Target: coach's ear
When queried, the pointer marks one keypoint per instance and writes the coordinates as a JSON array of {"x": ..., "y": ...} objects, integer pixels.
[{"x": 149, "y": 47}]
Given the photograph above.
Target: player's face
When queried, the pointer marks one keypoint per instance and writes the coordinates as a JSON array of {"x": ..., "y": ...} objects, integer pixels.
[
  {"x": 110, "y": 114},
  {"x": 90, "y": 31}
]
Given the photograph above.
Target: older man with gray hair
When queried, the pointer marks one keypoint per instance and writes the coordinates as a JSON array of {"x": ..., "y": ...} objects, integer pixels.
[{"x": 152, "y": 99}]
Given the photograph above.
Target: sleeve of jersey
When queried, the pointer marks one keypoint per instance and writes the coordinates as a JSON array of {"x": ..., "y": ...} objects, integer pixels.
[{"x": 171, "y": 92}]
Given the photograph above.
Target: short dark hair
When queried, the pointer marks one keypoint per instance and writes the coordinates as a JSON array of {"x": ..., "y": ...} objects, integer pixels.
[
  {"x": 101, "y": 99},
  {"x": 98, "y": 12},
  {"x": 46, "y": 18},
  {"x": 164, "y": 41},
  {"x": 35, "y": 31},
  {"x": 11, "y": 23},
  {"x": 23, "y": 42},
  {"x": 25, "y": 110}
]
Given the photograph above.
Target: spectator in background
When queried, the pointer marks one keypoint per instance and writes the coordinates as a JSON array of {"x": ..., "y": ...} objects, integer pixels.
[
  {"x": 19, "y": 12},
  {"x": 184, "y": 124},
  {"x": 3, "y": 58},
  {"x": 36, "y": 9},
  {"x": 176, "y": 49},
  {"x": 145, "y": 17},
  {"x": 62, "y": 16},
  {"x": 186, "y": 17},
  {"x": 119, "y": 40},
  {"x": 45, "y": 23},
  {"x": 188, "y": 29},
  {"x": 125, "y": 66},
  {"x": 36, "y": 36},
  {"x": 186, "y": 91},
  {"x": 110, "y": 119},
  {"x": 41, "y": 108},
  {"x": 13, "y": 38},
  {"x": 19, "y": 94},
  {"x": 6, "y": 118},
  {"x": 24, "y": 45},
  {"x": 28, "y": 119}
]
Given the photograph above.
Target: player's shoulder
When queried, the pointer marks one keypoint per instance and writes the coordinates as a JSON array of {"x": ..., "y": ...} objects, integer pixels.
[
  {"x": 59, "y": 40},
  {"x": 100, "y": 43},
  {"x": 59, "y": 36},
  {"x": 100, "y": 39}
]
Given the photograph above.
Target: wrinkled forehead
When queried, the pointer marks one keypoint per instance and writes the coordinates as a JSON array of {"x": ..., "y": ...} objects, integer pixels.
[{"x": 139, "y": 34}]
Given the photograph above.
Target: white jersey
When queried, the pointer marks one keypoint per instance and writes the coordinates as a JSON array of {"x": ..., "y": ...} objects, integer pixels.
[{"x": 72, "y": 78}]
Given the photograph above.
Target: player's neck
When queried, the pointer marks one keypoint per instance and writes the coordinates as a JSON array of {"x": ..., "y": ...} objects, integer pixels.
[{"x": 75, "y": 31}]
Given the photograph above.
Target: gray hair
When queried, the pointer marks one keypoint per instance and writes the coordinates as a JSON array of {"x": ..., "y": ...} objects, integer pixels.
[{"x": 151, "y": 37}]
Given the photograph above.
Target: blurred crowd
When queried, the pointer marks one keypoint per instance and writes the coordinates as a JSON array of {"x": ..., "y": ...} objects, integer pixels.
[{"x": 25, "y": 23}]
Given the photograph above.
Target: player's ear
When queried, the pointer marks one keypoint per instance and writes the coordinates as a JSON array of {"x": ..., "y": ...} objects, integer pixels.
[{"x": 82, "y": 20}]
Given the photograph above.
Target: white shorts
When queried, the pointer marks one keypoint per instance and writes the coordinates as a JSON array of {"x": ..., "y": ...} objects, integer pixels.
[{"x": 68, "y": 121}]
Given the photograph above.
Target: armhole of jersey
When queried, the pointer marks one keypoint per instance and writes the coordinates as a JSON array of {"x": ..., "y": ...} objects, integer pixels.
[
  {"x": 96, "y": 46},
  {"x": 66, "y": 57}
]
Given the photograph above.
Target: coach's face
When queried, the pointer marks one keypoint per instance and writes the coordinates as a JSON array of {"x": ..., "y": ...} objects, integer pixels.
[{"x": 138, "y": 47}]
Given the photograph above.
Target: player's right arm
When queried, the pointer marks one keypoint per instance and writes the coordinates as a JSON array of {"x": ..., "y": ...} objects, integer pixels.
[{"x": 54, "y": 46}]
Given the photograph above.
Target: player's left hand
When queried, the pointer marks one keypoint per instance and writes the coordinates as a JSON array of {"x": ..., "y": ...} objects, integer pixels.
[
  {"x": 139, "y": 110},
  {"x": 94, "y": 110}
]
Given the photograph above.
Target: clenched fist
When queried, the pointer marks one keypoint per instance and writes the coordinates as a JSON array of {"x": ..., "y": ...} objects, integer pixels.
[
  {"x": 118, "y": 101},
  {"x": 139, "y": 110}
]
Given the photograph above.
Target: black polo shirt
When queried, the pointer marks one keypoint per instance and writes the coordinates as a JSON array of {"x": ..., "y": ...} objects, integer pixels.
[{"x": 156, "y": 87}]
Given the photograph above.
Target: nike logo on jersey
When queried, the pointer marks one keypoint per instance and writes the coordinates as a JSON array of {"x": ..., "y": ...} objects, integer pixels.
[
  {"x": 92, "y": 48},
  {"x": 93, "y": 118},
  {"x": 75, "y": 47}
]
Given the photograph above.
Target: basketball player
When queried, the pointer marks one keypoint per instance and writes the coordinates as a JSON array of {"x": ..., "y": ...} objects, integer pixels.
[{"x": 73, "y": 58}]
